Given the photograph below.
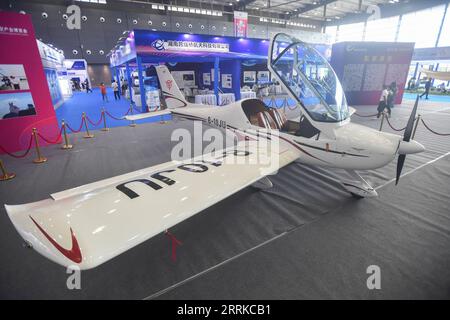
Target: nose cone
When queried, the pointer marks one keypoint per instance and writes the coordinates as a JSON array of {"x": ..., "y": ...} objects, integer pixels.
[{"x": 410, "y": 147}]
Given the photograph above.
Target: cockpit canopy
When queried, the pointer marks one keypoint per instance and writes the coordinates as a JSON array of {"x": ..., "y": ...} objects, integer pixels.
[{"x": 310, "y": 79}]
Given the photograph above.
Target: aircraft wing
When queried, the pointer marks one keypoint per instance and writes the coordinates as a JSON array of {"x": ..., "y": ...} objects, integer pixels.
[
  {"x": 91, "y": 224},
  {"x": 147, "y": 115}
]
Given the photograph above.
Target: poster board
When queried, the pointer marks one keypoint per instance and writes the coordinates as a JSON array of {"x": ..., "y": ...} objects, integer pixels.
[
  {"x": 184, "y": 79},
  {"x": 207, "y": 79},
  {"x": 263, "y": 77},
  {"x": 26, "y": 103},
  {"x": 364, "y": 67},
  {"x": 249, "y": 76},
  {"x": 227, "y": 81}
]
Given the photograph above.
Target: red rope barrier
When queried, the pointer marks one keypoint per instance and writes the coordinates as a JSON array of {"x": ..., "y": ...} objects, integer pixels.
[
  {"x": 136, "y": 109},
  {"x": 96, "y": 123},
  {"x": 51, "y": 141},
  {"x": 113, "y": 117},
  {"x": 295, "y": 106},
  {"x": 390, "y": 125},
  {"x": 21, "y": 155},
  {"x": 432, "y": 131},
  {"x": 79, "y": 129}
]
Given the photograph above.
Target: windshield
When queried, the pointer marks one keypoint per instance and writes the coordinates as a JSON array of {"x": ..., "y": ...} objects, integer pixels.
[{"x": 310, "y": 79}]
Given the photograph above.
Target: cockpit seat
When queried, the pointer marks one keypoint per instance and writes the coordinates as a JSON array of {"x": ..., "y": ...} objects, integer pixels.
[
  {"x": 279, "y": 117},
  {"x": 265, "y": 120}
]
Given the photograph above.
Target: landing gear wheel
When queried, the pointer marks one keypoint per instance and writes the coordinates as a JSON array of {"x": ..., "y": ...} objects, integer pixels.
[{"x": 356, "y": 196}]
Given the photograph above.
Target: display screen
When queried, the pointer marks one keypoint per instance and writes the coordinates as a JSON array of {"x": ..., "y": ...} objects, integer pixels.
[{"x": 188, "y": 77}]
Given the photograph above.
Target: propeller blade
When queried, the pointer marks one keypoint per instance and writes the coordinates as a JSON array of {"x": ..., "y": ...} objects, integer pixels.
[
  {"x": 410, "y": 125},
  {"x": 406, "y": 137},
  {"x": 400, "y": 163}
]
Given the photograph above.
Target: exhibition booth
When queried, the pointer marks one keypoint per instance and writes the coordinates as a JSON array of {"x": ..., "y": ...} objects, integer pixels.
[
  {"x": 77, "y": 73},
  {"x": 210, "y": 70},
  {"x": 56, "y": 73}
]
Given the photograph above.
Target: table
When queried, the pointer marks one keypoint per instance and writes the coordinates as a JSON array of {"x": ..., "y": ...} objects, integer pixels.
[
  {"x": 248, "y": 95},
  {"x": 209, "y": 99},
  {"x": 226, "y": 98}
]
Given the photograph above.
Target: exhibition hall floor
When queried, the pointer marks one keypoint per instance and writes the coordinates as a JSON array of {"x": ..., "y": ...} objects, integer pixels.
[
  {"x": 91, "y": 103},
  {"x": 304, "y": 238},
  {"x": 431, "y": 97}
]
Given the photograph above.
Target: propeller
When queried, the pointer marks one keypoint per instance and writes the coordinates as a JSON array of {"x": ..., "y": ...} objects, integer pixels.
[{"x": 406, "y": 137}]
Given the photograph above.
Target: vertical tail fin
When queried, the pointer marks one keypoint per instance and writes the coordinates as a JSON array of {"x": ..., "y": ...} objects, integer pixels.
[{"x": 171, "y": 93}]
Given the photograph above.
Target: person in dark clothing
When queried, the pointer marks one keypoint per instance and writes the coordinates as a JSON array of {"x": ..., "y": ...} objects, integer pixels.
[
  {"x": 87, "y": 86},
  {"x": 427, "y": 89},
  {"x": 411, "y": 83},
  {"x": 124, "y": 87},
  {"x": 392, "y": 95},
  {"x": 384, "y": 99}
]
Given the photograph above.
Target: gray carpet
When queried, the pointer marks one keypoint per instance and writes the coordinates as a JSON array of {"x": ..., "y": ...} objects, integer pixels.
[{"x": 304, "y": 238}]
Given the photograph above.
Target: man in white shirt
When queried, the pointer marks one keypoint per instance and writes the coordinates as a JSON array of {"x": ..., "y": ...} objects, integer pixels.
[{"x": 115, "y": 87}]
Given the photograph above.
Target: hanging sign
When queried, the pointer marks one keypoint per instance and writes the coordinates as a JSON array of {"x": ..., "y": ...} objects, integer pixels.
[{"x": 240, "y": 24}]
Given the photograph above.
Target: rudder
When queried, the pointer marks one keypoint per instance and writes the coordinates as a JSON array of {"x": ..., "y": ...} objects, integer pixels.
[{"x": 172, "y": 95}]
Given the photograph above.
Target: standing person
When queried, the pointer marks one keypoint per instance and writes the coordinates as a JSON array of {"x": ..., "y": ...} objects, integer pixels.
[
  {"x": 88, "y": 87},
  {"x": 427, "y": 89},
  {"x": 124, "y": 87},
  {"x": 383, "y": 100},
  {"x": 103, "y": 91},
  {"x": 392, "y": 95},
  {"x": 115, "y": 87}
]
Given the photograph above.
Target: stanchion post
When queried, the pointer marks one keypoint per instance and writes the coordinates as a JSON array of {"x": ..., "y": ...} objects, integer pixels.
[
  {"x": 5, "y": 175},
  {"x": 415, "y": 126},
  {"x": 105, "y": 128},
  {"x": 132, "y": 124},
  {"x": 382, "y": 121},
  {"x": 40, "y": 158},
  {"x": 88, "y": 135},
  {"x": 66, "y": 145}
]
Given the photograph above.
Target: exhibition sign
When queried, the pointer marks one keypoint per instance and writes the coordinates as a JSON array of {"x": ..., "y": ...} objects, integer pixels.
[
  {"x": 25, "y": 100},
  {"x": 153, "y": 47},
  {"x": 364, "y": 67}
]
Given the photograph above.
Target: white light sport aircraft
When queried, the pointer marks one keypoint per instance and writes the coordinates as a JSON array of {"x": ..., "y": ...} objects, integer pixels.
[{"x": 93, "y": 223}]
